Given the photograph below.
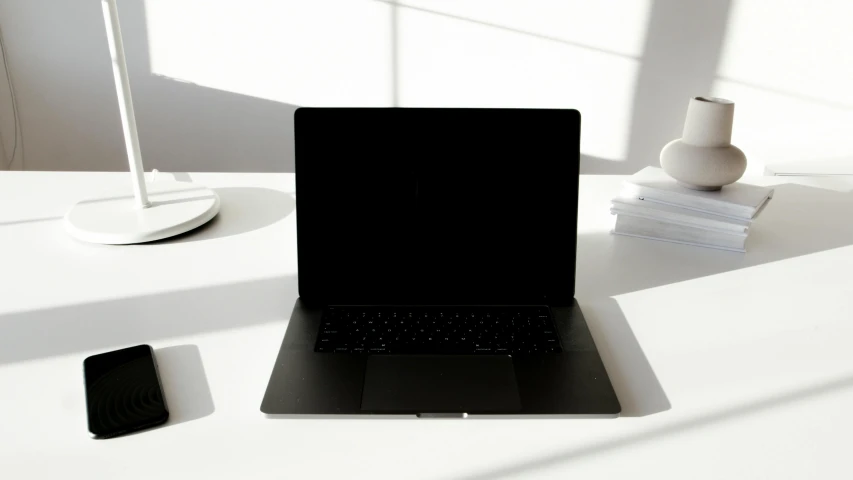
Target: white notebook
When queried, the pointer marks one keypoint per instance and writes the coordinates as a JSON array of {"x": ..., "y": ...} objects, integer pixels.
[
  {"x": 678, "y": 215},
  {"x": 738, "y": 200},
  {"x": 655, "y": 230}
]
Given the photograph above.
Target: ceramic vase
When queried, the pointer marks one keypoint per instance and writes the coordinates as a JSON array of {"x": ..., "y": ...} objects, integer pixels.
[{"x": 704, "y": 157}]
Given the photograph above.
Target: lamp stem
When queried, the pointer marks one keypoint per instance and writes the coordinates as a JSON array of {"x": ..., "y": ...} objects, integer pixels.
[{"x": 125, "y": 103}]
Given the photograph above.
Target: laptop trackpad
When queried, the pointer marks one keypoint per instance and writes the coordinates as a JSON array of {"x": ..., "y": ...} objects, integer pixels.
[{"x": 440, "y": 384}]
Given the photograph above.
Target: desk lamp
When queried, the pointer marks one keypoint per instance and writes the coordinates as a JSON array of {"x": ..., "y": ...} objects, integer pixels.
[{"x": 157, "y": 209}]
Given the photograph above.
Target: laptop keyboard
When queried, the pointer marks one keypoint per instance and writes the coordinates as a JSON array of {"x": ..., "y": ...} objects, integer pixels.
[{"x": 437, "y": 330}]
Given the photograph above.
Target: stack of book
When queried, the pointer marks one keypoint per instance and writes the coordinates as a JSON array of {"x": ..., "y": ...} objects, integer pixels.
[{"x": 653, "y": 205}]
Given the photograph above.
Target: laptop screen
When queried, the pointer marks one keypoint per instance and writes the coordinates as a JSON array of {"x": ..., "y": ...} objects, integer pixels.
[{"x": 437, "y": 206}]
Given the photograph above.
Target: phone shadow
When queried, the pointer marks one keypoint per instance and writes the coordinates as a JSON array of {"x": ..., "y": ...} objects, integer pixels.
[{"x": 185, "y": 384}]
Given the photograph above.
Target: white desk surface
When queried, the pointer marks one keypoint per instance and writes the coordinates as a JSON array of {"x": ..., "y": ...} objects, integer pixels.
[{"x": 727, "y": 365}]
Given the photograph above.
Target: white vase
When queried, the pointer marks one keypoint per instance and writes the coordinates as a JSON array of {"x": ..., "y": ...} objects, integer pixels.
[{"x": 704, "y": 157}]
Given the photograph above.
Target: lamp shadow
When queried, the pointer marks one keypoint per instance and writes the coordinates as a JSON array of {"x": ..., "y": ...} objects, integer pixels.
[
  {"x": 144, "y": 319},
  {"x": 242, "y": 210}
]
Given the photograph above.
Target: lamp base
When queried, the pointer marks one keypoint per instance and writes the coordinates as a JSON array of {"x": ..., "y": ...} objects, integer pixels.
[{"x": 176, "y": 207}]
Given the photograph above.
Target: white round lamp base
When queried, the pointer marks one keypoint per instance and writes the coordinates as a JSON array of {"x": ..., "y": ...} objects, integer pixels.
[{"x": 176, "y": 207}]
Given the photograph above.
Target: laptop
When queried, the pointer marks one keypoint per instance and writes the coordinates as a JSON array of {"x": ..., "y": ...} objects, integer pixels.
[{"x": 436, "y": 253}]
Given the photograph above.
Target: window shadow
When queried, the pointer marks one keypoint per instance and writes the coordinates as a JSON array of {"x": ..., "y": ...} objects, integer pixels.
[
  {"x": 711, "y": 418},
  {"x": 396, "y": 4},
  {"x": 187, "y": 127},
  {"x": 242, "y": 133},
  {"x": 684, "y": 44},
  {"x": 144, "y": 319},
  {"x": 792, "y": 225},
  {"x": 799, "y": 220},
  {"x": 683, "y": 47}
]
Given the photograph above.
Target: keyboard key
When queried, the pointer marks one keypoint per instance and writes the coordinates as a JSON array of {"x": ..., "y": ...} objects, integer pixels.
[{"x": 431, "y": 330}]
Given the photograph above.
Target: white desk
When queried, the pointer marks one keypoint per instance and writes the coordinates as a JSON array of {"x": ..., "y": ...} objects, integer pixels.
[{"x": 753, "y": 352}]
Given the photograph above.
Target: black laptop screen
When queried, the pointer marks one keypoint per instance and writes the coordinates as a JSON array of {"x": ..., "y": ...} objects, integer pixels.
[{"x": 437, "y": 206}]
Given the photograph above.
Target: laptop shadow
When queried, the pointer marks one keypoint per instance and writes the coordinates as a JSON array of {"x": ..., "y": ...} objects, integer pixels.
[
  {"x": 633, "y": 378},
  {"x": 639, "y": 391},
  {"x": 800, "y": 220}
]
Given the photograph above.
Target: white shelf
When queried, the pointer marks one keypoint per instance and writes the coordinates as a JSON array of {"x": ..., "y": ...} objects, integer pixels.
[{"x": 822, "y": 168}]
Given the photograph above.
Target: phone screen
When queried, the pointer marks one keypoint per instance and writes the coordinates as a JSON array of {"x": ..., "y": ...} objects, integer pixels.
[{"x": 123, "y": 392}]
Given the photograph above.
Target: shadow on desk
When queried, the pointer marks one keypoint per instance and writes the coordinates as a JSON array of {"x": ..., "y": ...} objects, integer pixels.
[
  {"x": 799, "y": 220},
  {"x": 242, "y": 210},
  {"x": 639, "y": 391},
  {"x": 130, "y": 321},
  {"x": 537, "y": 465},
  {"x": 185, "y": 384}
]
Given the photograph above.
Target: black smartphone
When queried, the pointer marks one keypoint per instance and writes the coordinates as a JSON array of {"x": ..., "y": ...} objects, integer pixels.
[{"x": 123, "y": 392}]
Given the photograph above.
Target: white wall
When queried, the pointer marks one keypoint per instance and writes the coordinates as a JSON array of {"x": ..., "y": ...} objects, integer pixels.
[
  {"x": 10, "y": 155},
  {"x": 61, "y": 66},
  {"x": 215, "y": 81}
]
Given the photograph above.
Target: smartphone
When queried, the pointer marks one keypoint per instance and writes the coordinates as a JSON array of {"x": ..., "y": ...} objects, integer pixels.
[{"x": 123, "y": 392}]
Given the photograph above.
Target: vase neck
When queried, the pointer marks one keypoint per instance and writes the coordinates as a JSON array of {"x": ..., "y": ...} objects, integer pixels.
[{"x": 709, "y": 122}]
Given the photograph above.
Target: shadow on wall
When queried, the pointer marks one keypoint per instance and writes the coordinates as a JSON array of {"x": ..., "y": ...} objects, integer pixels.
[
  {"x": 631, "y": 74},
  {"x": 679, "y": 60},
  {"x": 632, "y": 87},
  {"x": 684, "y": 44},
  {"x": 187, "y": 127},
  {"x": 184, "y": 126}
]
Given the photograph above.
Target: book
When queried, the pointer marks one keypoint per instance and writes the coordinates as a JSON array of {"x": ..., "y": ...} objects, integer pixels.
[
  {"x": 633, "y": 226},
  {"x": 678, "y": 215},
  {"x": 738, "y": 200}
]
